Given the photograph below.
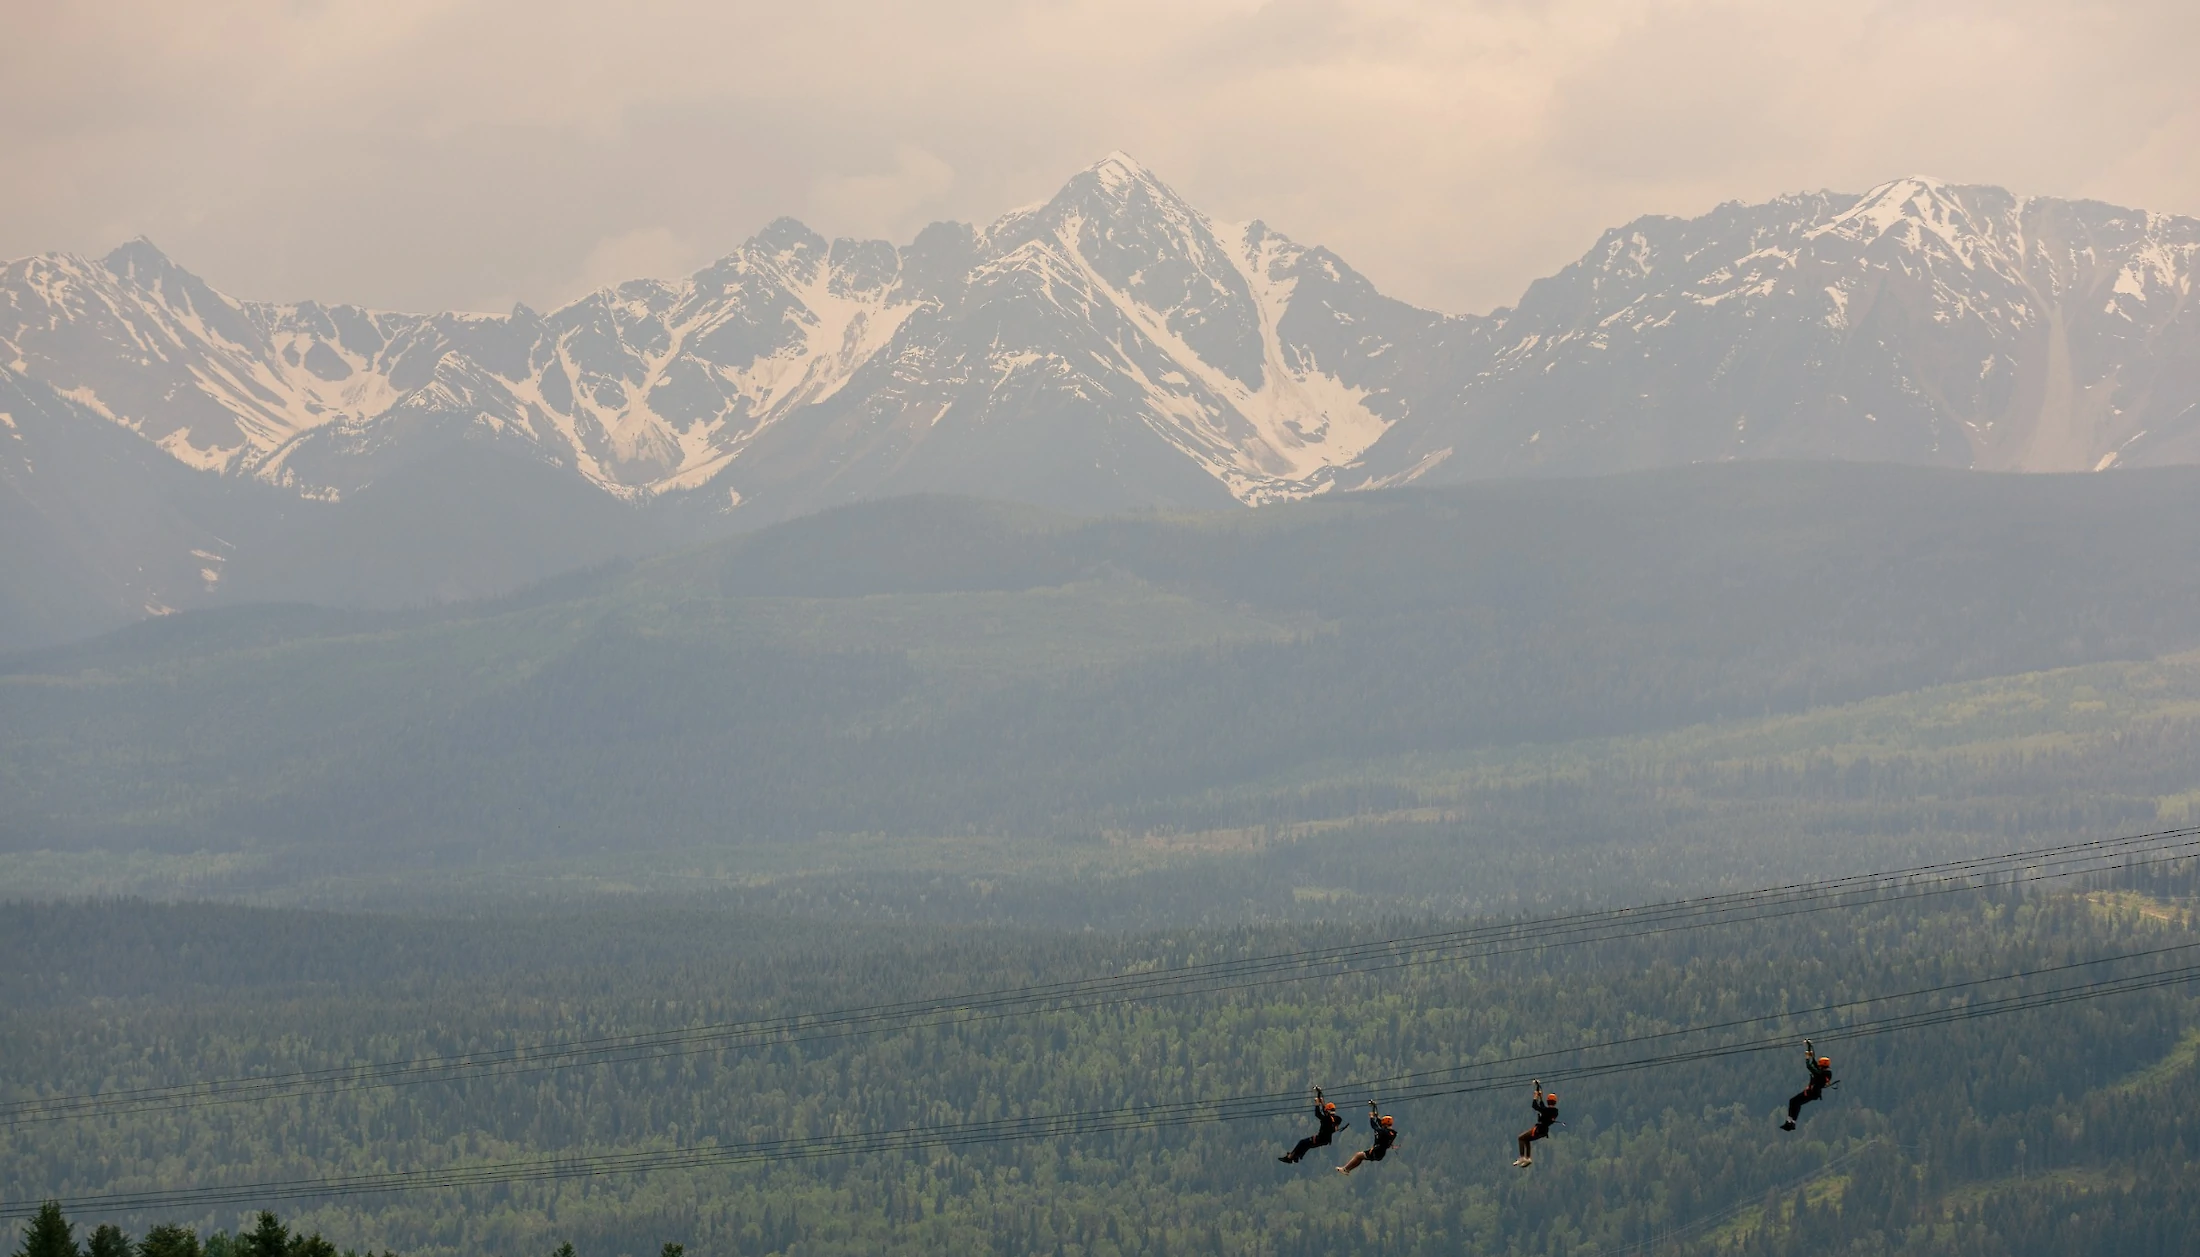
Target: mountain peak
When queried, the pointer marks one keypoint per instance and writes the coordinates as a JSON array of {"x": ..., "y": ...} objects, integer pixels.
[
  {"x": 1118, "y": 180},
  {"x": 138, "y": 257},
  {"x": 1914, "y": 184},
  {"x": 1117, "y": 188},
  {"x": 785, "y": 234},
  {"x": 1909, "y": 195},
  {"x": 1915, "y": 203},
  {"x": 1912, "y": 194},
  {"x": 1119, "y": 169}
]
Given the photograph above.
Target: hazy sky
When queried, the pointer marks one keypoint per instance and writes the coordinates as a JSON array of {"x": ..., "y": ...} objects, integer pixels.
[{"x": 432, "y": 153}]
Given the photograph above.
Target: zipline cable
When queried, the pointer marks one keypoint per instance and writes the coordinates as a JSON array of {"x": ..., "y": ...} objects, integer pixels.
[
  {"x": 1482, "y": 941},
  {"x": 1823, "y": 1010},
  {"x": 1150, "y": 1116},
  {"x": 1003, "y": 1130}
]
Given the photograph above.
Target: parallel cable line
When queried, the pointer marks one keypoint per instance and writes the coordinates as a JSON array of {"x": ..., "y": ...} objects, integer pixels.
[
  {"x": 1395, "y": 1089},
  {"x": 1850, "y": 1033},
  {"x": 1476, "y": 942},
  {"x": 1798, "y": 1015}
]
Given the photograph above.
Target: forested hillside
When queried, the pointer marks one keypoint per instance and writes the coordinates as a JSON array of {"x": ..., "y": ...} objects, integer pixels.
[
  {"x": 2066, "y": 1130},
  {"x": 917, "y": 749},
  {"x": 891, "y": 685}
]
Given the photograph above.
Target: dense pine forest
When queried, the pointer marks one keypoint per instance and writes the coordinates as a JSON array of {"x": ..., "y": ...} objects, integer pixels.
[{"x": 2064, "y": 1130}]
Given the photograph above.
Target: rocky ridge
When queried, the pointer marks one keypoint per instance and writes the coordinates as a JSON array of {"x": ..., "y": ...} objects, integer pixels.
[{"x": 163, "y": 444}]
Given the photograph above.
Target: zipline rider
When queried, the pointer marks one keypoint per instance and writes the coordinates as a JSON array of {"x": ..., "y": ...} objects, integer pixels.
[
  {"x": 1328, "y": 1123},
  {"x": 1386, "y": 1134}
]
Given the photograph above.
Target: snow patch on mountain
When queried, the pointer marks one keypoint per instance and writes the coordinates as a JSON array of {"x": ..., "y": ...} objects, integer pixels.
[
  {"x": 1921, "y": 321},
  {"x": 1115, "y": 336},
  {"x": 1222, "y": 384}
]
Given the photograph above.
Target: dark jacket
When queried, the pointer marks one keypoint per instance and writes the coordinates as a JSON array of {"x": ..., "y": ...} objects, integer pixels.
[
  {"x": 1545, "y": 1114},
  {"x": 1820, "y": 1076}
]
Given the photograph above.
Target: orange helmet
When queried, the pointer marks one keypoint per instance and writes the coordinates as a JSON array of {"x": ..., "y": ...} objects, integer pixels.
[
  {"x": 1386, "y": 1119},
  {"x": 1552, "y": 1098},
  {"x": 1329, "y": 1106},
  {"x": 1825, "y": 1062}
]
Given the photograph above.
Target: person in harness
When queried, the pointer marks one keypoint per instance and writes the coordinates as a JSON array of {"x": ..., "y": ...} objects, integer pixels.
[
  {"x": 1330, "y": 1122},
  {"x": 1386, "y": 1134},
  {"x": 1546, "y": 1116},
  {"x": 1821, "y": 1077}
]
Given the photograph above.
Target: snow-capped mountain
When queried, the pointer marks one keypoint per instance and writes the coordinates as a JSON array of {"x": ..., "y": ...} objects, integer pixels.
[
  {"x": 1920, "y": 322},
  {"x": 1111, "y": 348},
  {"x": 1115, "y": 320},
  {"x": 641, "y": 389}
]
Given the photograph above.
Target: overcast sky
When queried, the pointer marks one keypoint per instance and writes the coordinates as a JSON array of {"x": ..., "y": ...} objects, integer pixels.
[{"x": 418, "y": 154}]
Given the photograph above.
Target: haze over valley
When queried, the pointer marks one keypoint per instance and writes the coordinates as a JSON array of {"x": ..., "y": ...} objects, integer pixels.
[{"x": 727, "y": 630}]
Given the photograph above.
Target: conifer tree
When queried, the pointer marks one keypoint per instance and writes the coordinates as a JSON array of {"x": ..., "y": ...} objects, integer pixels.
[
  {"x": 170, "y": 1240},
  {"x": 108, "y": 1240},
  {"x": 49, "y": 1234},
  {"x": 268, "y": 1239}
]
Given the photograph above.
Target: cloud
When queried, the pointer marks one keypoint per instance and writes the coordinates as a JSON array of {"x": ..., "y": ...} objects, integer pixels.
[
  {"x": 408, "y": 153},
  {"x": 883, "y": 204},
  {"x": 2158, "y": 171},
  {"x": 643, "y": 253}
]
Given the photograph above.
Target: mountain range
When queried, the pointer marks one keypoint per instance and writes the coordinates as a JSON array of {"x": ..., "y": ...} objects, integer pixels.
[{"x": 164, "y": 445}]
